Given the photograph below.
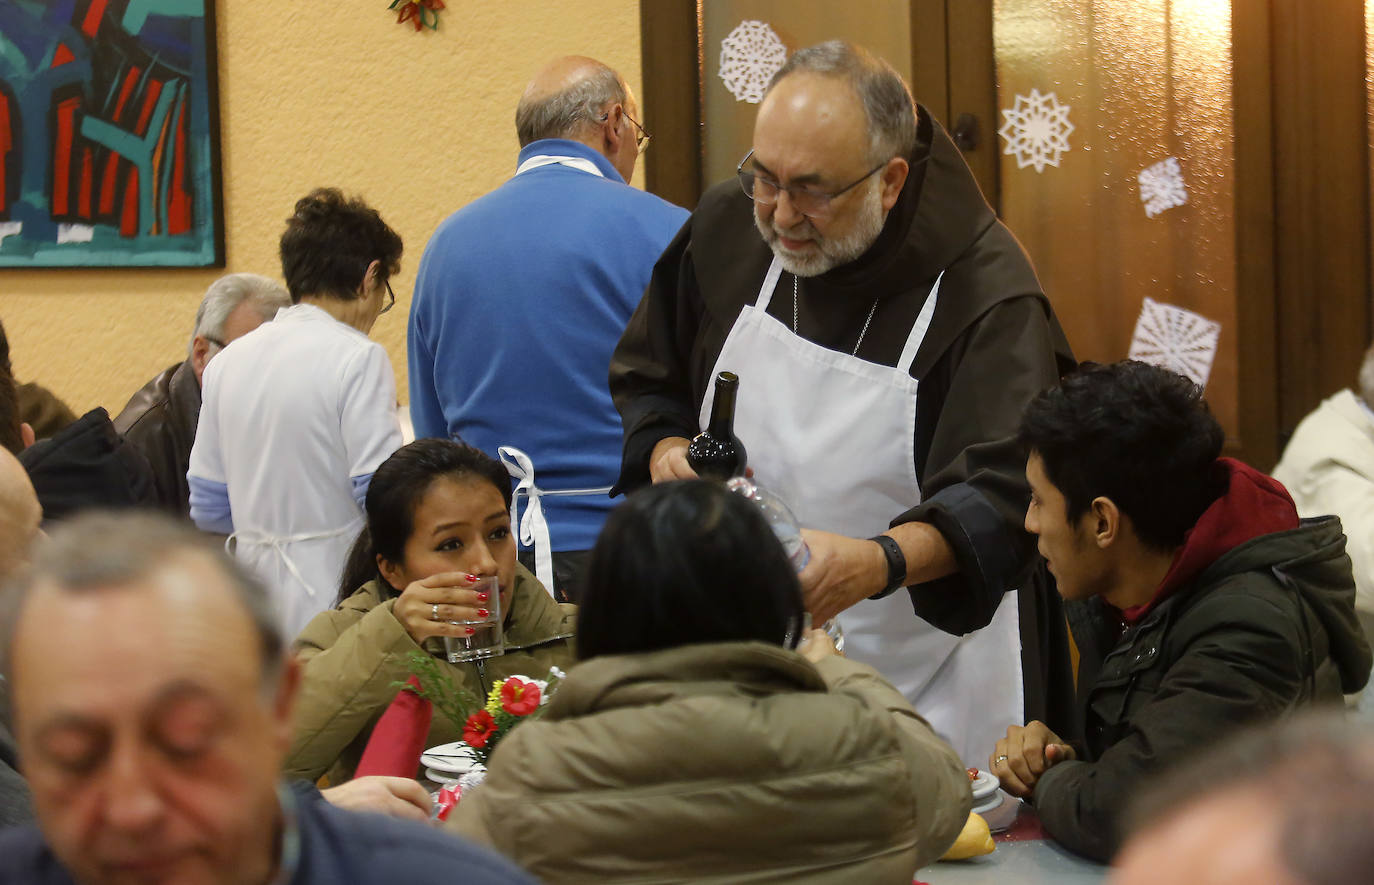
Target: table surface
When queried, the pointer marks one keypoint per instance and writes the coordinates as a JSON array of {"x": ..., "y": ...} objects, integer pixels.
[{"x": 1024, "y": 856}]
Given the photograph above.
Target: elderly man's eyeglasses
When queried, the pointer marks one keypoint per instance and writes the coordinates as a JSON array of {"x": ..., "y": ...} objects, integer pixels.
[
  {"x": 811, "y": 203},
  {"x": 642, "y": 135},
  {"x": 390, "y": 299}
]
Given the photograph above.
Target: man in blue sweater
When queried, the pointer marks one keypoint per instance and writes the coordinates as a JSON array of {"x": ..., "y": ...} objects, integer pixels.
[{"x": 521, "y": 297}]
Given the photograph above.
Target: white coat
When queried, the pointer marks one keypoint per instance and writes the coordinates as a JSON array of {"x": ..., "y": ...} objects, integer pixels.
[
  {"x": 294, "y": 415},
  {"x": 1328, "y": 467}
]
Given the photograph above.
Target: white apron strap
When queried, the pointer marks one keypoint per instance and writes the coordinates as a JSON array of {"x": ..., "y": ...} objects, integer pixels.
[
  {"x": 534, "y": 529},
  {"x": 556, "y": 160},
  {"x": 922, "y": 325},
  {"x": 279, "y": 544},
  {"x": 770, "y": 282}
]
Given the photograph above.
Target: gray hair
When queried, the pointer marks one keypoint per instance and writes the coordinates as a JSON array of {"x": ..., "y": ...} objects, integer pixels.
[
  {"x": 1367, "y": 378},
  {"x": 887, "y": 102},
  {"x": 100, "y": 550},
  {"x": 227, "y": 293},
  {"x": 1316, "y": 771},
  {"x": 565, "y": 114}
]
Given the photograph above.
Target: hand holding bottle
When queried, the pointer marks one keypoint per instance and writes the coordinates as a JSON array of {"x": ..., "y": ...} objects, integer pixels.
[{"x": 669, "y": 460}]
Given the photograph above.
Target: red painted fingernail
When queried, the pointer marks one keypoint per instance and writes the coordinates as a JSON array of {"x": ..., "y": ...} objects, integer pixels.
[
  {"x": 481, "y": 613},
  {"x": 481, "y": 597},
  {"x": 471, "y": 630},
  {"x": 472, "y": 579}
]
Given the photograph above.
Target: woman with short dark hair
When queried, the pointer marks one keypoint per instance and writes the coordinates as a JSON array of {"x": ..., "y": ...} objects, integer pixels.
[
  {"x": 296, "y": 415},
  {"x": 690, "y": 743}
]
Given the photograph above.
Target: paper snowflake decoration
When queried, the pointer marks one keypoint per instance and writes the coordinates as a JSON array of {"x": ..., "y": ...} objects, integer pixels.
[
  {"x": 1161, "y": 187},
  {"x": 749, "y": 57},
  {"x": 1036, "y": 130},
  {"x": 1176, "y": 339}
]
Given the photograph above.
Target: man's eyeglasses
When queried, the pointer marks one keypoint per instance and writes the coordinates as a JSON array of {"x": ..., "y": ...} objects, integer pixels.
[
  {"x": 811, "y": 203},
  {"x": 642, "y": 135},
  {"x": 390, "y": 299}
]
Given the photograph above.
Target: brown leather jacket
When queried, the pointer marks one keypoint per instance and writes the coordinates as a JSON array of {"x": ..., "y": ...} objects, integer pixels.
[{"x": 160, "y": 421}]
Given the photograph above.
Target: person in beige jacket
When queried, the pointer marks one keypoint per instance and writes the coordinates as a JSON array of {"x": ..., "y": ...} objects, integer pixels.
[
  {"x": 1328, "y": 467},
  {"x": 438, "y": 517},
  {"x": 691, "y": 744}
]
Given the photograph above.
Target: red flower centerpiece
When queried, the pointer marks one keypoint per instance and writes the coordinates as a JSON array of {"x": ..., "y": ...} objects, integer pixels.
[
  {"x": 518, "y": 697},
  {"x": 479, "y": 729}
]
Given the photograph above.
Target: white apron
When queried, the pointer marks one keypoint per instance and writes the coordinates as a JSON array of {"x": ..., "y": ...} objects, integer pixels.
[
  {"x": 284, "y": 561},
  {"x": 833, "y": 435},
  {"x": 534, "y": 528}
]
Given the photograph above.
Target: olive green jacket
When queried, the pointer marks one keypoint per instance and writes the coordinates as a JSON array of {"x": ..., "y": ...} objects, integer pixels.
[
  {"x": 726, "y": 762},
  {"x": 353, "y": 655}
]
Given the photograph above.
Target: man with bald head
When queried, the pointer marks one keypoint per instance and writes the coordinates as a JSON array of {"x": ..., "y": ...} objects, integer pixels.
[
  {"x": 521, "y": 297},
  {"x": 887, "y": 330},
  {"x": 152, "y": 700}
]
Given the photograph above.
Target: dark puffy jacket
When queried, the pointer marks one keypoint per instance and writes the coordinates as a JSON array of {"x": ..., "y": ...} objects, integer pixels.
[
  {"x": 1268, "y": 627},
  {"x": 88, "y": 465}
]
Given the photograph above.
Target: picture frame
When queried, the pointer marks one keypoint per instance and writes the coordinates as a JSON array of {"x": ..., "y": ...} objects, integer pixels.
[{"x": 109, "y": 134}]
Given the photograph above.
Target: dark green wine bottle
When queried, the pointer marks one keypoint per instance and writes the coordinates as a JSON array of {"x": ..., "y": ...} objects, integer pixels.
[{"x": 716, "y": 453}]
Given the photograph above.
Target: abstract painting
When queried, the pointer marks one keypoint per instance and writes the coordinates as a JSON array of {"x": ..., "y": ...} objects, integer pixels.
[{"x": 109, "y": 142}]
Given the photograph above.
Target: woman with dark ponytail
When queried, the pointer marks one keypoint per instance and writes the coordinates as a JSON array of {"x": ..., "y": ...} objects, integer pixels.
[{"x": 438, "y": 519}]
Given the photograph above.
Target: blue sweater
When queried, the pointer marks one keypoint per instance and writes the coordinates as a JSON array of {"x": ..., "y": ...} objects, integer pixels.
[{"x": 519, "y": 302}]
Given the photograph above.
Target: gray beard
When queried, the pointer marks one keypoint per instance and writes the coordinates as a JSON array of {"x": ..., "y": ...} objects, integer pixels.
[{"x": 831, "y": 253}]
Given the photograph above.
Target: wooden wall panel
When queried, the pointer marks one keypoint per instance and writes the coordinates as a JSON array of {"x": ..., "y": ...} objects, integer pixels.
[
  {"x": 1321, "y": 162},
  {"x": 671, "y": 103}
]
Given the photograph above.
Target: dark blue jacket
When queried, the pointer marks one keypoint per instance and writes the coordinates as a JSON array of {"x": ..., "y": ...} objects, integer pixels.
[{"x": 337, "y": 847}]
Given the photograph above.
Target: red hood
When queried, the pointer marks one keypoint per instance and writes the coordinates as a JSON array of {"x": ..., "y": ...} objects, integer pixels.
[{"x": 1253, "y": 505}]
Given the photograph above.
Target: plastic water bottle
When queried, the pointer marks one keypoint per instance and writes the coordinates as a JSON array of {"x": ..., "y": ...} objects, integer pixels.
[{"x": 785, "y": 526}]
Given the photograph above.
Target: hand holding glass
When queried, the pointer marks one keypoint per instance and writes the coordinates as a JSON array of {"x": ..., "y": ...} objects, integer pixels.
[{"x": 486, "y": 639}]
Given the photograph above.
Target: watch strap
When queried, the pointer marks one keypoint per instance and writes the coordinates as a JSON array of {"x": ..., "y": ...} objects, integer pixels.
[{"x": 896, "y": 565}]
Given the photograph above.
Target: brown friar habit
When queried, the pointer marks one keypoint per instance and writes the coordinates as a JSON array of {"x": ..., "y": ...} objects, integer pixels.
[{"x": 993, "y": 344}]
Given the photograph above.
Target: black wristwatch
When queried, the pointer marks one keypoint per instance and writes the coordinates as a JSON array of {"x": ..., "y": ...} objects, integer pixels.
[{"x": 896, "y": 565}]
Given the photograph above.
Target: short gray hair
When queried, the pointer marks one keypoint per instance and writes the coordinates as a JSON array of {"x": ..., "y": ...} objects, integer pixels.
[
  {"x": 564, "y": 114},
  {"x": 1367, "y": 378},
  {"x": 104, "y": 549},
  {"x": 887, "y": 102},
  {"x": 227, "y": 293},
  {"x": 1315, "y": 770}
]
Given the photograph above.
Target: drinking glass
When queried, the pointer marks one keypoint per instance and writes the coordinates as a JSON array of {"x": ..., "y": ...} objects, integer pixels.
[{"x": 486, "y": 640}]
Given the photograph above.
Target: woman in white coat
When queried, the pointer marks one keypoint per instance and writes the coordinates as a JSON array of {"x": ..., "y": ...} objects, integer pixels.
[{"x": 296, "y": 415}]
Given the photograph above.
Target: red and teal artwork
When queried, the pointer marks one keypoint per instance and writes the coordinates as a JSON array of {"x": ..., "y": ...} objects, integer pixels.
[{"x": 109, "y": 142}]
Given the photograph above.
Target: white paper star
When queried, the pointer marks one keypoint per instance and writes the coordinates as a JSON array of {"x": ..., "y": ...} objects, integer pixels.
[
  {"x": 1162, "y": 187},
  {"x": 1036, "y": 130},
  {"x": 749, "y": 57},
  {"x": 1177, "y": 339}
]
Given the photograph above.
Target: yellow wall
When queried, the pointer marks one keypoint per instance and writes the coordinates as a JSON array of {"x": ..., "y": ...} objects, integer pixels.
[{"x": 318, "y": 93}]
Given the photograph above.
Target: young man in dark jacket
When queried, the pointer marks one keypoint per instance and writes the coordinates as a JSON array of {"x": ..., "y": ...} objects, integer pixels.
[{"x": 1198, "y": 599}]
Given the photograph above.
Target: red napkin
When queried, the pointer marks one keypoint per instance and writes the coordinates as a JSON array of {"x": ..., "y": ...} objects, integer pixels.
[{"x": 399, "y": 738}]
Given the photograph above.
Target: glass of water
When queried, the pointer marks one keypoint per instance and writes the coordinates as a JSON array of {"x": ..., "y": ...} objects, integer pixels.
[{"x": 486, "y": 639}]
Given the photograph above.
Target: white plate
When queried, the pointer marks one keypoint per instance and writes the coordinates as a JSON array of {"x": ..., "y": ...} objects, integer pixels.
[
  {"x": 454, "y": 758},
  {"x": 984, "y": 785},
  {"x": 981, "y": 806},
  {"x": 440, "y": 777}
]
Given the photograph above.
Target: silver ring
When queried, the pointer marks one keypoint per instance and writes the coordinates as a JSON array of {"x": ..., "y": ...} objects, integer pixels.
[
  {"x": 434, "y": 616},
  {"x": 1000, "y": 759}
]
